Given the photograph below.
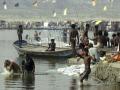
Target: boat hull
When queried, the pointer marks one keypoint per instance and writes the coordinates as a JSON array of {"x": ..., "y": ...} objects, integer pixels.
[{"x": 41, "y": 51}]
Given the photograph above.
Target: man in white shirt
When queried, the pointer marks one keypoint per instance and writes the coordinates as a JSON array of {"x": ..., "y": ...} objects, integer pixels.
[{"x": 93, "y": 52}]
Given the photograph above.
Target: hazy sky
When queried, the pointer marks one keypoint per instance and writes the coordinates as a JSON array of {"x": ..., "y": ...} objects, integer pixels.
[{"x": 75, "y": 8}]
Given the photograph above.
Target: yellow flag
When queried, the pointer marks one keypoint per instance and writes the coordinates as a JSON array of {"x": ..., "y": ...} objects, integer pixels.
[{"x": 98, "y": 22}]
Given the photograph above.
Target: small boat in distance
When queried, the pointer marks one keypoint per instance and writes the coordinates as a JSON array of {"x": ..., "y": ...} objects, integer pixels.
[{"x": 40, "y": 50}]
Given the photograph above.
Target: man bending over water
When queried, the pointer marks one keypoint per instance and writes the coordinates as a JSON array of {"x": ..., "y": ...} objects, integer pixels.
[{"x": 12, "y": 66}]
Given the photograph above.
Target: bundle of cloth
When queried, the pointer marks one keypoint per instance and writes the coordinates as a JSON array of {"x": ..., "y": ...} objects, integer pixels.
[{"x": 73, "y": 70}]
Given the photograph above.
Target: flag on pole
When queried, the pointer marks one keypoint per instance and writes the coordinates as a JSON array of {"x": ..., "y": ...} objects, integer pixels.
[
  {"x": 105, "y": 8},
  {"x": 5, "y": 5},
  {"x": 35, "y": 3},
  {"x": 65, "y": 11},
  {"x": 54, "y": 14}
]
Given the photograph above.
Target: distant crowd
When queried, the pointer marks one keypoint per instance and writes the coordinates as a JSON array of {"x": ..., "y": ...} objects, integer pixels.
[{"x": 112, "y": 25}]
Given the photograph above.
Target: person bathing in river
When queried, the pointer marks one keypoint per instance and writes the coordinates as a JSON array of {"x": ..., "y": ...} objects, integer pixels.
[
  {"x": 52, "y": 45},
  {"x": 11, "y": 66},
  {"x": 87, "y": 63},
  {"x": 28, "y": 66}
]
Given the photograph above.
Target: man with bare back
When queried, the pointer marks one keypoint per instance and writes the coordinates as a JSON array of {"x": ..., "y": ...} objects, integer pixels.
[
  {"x": 87, "y": 62},
  {"x": 74, "y": 36},
  {"x": 12, "y": 66}
]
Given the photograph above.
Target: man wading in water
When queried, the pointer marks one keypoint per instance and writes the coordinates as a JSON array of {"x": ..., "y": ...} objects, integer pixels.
[
  {"x": 87, "y": 62},
  {"x": 73, "y": 35},
  {"x": 28, "y": 66}
]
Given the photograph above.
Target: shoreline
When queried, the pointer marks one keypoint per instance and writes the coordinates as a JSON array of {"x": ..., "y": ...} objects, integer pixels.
[{"x": 42, "y": 28}]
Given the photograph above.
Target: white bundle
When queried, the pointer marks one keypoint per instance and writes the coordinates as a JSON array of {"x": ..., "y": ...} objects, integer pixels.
[{"x": 72, "y": 70}]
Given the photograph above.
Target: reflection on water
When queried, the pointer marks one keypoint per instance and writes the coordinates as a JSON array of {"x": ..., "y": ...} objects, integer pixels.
[
  {"x": 26, "y": 82},
  {"x": 73, "y": 84},
  {"x": 12, "y": 81}
]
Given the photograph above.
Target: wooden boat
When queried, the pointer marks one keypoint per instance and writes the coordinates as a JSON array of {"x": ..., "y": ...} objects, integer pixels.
[{"x": 40, "y": 50}]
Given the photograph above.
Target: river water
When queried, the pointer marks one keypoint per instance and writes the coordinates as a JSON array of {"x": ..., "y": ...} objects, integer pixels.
[{"x": 45, "y": 77}]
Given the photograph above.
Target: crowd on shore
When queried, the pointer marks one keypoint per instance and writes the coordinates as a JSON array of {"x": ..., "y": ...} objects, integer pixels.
[
  {"x": 90, "y": 51},
  {"x": 103, "y": 25}
]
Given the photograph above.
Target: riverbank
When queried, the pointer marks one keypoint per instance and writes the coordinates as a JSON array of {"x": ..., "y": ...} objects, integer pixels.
[{"x": 107, "y": 70}]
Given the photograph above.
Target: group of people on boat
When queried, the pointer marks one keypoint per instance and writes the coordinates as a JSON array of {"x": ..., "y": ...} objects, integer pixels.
[{"x": 20, "y": 32}]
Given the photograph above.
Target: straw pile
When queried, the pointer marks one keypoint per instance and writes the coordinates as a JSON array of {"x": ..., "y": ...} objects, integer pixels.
[{"x": 105, "y": 72}]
